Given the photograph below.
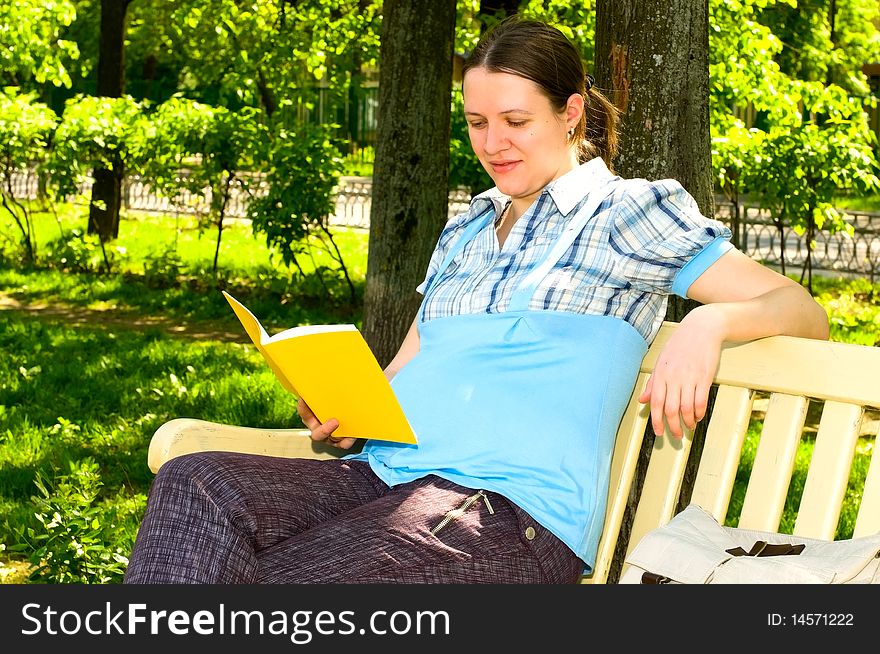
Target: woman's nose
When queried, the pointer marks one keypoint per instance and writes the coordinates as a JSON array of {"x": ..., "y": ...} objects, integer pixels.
[{"x": 496, "y": 139}]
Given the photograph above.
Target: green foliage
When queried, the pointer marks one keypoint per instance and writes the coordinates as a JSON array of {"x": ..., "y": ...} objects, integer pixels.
[
  {"x": 856, "y": 41},
  {"x": 213, "y": 147},
  {"x": 257, "y": 53},
  {"x": 97, "y": 133},
  {"x": 853, "y": 309},
  {"x": 359, "y": 163},
  {"x": 83, "y": 253},
  {"x": 735, "y": 161},
  {"x": 209, "y": 144},
  {"x": 26, "y": 127},
  {"x": 735, "y": 157},
  {"x": 163, "y": 270},
  {"x": 79, "y": 541},
  {"x": 827, "y": 40},
  {"x": 742, "y": 66},
  {"x": 178, "y": 137},
  {"x": 800, "y": 169},
  {"x": 810, "y": 141},
  {"x": 32, "y": 43},
  {"x": 294, "y": 213},
  {"x": 468, "y": 25},
  {"x": 577, "y": 20},
  {"x": 301, "y": 182}
]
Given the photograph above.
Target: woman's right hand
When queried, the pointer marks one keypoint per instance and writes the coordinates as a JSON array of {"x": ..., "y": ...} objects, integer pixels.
[{"x": 322, "y": 432}]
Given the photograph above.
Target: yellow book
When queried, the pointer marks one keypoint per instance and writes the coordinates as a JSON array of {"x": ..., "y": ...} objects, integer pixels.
[{"x": 334, "y": 371}]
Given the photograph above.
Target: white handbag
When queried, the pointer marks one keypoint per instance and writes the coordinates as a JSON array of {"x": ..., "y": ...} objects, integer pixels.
[{"x": 693, "y": 548}]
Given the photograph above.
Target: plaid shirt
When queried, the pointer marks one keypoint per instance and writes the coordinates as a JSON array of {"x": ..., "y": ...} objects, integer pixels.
[{"x": 624, "y": 263}]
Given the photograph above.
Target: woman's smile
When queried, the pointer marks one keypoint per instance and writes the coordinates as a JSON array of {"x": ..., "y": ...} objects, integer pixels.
[{"x": 500, "y": 167}]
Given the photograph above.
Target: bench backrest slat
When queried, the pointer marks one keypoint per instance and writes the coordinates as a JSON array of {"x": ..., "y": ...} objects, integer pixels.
[
  {"x": 868, "y": 520},
  {"x": 724, "y": 440},
  {"x": 774, "y": 462},
  {"x": 623, "y": 466},
  {"x": 830, "y": 465}
]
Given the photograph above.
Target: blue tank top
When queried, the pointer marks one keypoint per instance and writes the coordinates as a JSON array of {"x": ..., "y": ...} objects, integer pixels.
[{"x": 524, "y": 403}]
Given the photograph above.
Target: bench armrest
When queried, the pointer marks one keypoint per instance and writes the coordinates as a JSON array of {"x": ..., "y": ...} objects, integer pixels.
[{"x": 187, "y": 435}]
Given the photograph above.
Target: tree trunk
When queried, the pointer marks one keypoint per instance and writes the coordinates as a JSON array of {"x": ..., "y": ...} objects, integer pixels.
[
  {"x": 353, "y": 118},
  {"x": 652, "y": 57},
  {"x": 832, "y": 38},
  {"x": 410, "y": 173},
  {"x": 107, "y": 189},
  {"x": 105, "y": 203}
]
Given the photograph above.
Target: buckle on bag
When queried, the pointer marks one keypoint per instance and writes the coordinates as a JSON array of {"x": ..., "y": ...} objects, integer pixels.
[
  {"x": 654, "y": 578},
  {"x": 762, "y": 548}
]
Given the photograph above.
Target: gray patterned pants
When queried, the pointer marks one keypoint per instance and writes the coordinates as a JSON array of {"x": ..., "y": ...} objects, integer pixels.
[{"x": 220, "y": 517}]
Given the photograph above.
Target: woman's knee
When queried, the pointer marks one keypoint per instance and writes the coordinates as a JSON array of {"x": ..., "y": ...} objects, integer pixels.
[
  {"x": 197, "y": 473},
  {"x": 186, "y": 467}
]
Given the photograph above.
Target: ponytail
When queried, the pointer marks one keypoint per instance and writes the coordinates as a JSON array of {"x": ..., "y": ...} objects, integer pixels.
[{"x": 598, "y": 129}]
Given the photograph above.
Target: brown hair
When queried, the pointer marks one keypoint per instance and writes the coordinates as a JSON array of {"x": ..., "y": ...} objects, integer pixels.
[{"x": 541, "y": 53}]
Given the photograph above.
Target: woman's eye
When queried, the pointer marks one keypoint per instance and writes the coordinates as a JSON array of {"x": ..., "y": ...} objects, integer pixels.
[
  {"x": 516, "y": 123},
  {"x": 477, "y": 125}
]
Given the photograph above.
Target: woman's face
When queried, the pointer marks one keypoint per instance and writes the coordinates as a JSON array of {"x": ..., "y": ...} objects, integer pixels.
[{"x": 519, "y": 138}]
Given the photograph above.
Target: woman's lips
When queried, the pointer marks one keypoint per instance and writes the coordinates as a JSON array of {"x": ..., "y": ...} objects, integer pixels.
[{"x": 503, "y": 166}]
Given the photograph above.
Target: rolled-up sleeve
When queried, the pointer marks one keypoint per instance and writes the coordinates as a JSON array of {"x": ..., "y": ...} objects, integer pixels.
[{"x": 661, "y": 240}]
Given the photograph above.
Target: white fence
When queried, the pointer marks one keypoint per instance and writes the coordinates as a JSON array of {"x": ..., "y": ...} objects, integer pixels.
[{"x": 858, "y": 253}]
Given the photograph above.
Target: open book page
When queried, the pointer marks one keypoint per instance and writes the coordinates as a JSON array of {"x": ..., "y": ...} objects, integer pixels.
[
  {"x": 333, "y": 370},
  {"x": 259, "y": 336},
  {"x": 304, "y": 330}
]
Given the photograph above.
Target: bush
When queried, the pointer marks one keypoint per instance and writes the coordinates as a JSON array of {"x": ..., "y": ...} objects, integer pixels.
[
  {"x": 163, "y": 270},
  {"x": 82, "y": 253},
  {"x": 81, "y": 543}
]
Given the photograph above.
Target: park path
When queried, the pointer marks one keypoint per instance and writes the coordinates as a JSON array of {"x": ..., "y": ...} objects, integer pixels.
[{"x": 119, "y": 319}]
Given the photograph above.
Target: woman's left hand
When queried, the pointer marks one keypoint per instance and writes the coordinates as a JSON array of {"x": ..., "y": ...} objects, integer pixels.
[{"x": 678, "y": 389}]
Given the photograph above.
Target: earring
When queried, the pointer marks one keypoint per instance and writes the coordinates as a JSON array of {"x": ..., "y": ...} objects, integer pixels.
[{"x": 571, "y": 132}]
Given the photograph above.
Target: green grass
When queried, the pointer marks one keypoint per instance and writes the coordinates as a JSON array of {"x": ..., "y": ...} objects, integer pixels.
[
  {"x": 164, "y": 265},
  {"x": 869, "y": 203},
  {"x": 853, "y": 308},
  {"x": 95, "y": 375},
  {"x": 93, "y": 378},
  {"x": 72, "y": 392}
]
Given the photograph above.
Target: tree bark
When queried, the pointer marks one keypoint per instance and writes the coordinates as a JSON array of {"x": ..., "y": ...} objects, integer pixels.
[
  {"x": 107, "y": 188},
  {"x": 410, "y": 173},
  {"x": 652, "y": 59}
]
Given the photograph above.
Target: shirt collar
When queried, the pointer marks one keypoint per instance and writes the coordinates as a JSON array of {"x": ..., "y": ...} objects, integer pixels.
[{"x": 567, "y": 191}]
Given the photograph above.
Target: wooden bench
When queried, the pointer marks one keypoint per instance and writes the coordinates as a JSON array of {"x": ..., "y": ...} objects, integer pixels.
[{"x": 785, "y": 374}]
